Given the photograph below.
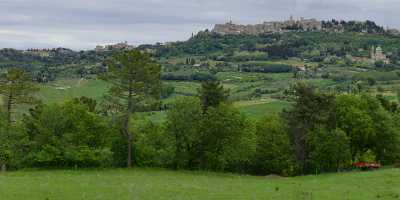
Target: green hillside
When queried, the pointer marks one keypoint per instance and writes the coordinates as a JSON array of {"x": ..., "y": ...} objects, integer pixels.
[
  {"x": 212, "y": 102},
  {"x": 64, "y": 89}
]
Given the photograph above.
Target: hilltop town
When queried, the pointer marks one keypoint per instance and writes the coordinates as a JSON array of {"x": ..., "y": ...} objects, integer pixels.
[
  {"x": 111, "y": 47},
  {"x": 301, "y": 24},
  {"x": 265, "y": 27}
]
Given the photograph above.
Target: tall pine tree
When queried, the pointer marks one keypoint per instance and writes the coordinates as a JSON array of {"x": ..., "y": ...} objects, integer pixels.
[
  {"x": 16, "y": 87},
  {"x": 135, "y": 80},
  {"x": 212, "y": 93}
]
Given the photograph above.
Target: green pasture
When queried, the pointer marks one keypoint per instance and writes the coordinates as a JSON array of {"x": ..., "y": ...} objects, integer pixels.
[{"x": 154, "y": 184}]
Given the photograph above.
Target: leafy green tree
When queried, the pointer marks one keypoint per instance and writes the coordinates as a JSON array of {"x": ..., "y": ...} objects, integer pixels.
[
  {"x": 226, "y": 140},
  {"x": 385, "y": 145},
  {"x": 353, "y": 118},
  {"x": 369, "y": 126},
  {"x": 67, "y": 135},
  {"x": 16, "y": 87},
  {"x": 312, "y": 108},
  {"x": 154, "y": 146},
  {"x": 182, "y": 124},
  {"x": 212, "y": 93},
  {"x": 329, "y": 150},
  {"x": 221, "y": 139},
  {"x": 135, "y": 80},
  {"x": 274, "y": 152}
]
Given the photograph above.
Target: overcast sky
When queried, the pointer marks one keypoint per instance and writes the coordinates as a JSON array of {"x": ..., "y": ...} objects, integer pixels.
[{"x": 82, "y": 24}]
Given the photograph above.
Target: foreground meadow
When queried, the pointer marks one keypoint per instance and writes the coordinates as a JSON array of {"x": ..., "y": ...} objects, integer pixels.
[{"x": 156, "y": 184}]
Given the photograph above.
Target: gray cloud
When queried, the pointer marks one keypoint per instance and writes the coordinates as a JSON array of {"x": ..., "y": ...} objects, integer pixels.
[{"x": 81, "y": 24}]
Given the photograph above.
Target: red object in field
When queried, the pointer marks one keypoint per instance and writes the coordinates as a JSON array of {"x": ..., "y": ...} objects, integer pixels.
[{"x": 367, "y": 165}]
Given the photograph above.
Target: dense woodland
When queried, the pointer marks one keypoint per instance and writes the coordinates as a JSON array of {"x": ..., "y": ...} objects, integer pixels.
[{"x": 327, "y": 128}]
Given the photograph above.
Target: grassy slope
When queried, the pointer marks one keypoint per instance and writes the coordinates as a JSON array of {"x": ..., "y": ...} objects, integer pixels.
[
  {"x": 154, "y": 184},
  {"x": 65, "y": 89}
]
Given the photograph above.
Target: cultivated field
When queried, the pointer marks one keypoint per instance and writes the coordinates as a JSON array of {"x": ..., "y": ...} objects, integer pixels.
[{"x": 152, "y": 184}]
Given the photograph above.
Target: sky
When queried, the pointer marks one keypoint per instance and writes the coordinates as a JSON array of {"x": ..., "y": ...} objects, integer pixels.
[{"x": 83, "y": 24}]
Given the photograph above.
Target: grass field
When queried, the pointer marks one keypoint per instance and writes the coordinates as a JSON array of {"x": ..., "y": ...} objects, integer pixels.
[
  {"x": 65, "y": 89},
  {"x": 260, "y": 108},
  {"x": 152, "y": 184}
]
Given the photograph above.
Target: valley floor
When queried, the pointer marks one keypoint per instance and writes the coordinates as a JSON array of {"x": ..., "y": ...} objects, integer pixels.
[{"x": 154, "y": 184}]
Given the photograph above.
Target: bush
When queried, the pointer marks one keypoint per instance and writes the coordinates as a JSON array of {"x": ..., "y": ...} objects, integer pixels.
[{"x": 367, "y": 156}]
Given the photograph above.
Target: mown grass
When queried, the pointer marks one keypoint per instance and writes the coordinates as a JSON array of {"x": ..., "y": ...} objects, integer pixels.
[
  {"x": 153, "y": 184},
  {"x": 259, "y": 109}
]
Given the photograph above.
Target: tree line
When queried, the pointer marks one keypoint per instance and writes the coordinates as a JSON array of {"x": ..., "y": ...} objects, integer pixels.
[{"x": 321, "y": 132}]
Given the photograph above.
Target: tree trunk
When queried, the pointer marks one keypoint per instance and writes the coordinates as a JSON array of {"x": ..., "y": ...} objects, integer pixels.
[
  {"x": 127, "y": 131},
  {"x": 129, "y": 159},
  {"x": 9, "y": 109},
  {"x": 129, "y": 139},
  {"x": 3, "y": 168},
  {"x": 177, "y": 152}
]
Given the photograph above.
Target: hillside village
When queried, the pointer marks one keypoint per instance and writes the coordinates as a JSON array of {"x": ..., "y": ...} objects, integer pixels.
[
  {"x": 112, "y": 47},
  {"x": 268, "y": 27},
  {"x": 302, "y": 24}
]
